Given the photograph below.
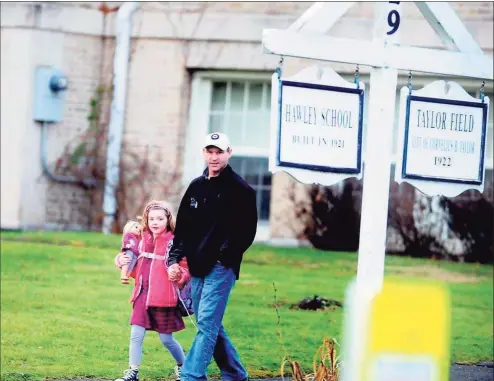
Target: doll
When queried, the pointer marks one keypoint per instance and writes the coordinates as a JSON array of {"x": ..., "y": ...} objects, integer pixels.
[{"x": 130, "y": 247}]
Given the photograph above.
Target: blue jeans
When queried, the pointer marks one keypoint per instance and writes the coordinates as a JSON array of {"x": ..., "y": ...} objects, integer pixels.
[{"x": 209, "y": 297}]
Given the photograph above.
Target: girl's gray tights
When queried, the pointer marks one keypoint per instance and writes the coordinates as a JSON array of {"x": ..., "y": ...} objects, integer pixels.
[{"x": 137, "y": 334}]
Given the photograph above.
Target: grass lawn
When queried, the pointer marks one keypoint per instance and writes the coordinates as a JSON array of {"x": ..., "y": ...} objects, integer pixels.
[{"x": 65, "y": 313}]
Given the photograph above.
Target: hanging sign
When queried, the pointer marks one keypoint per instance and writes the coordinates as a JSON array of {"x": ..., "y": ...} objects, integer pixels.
[
  {"x": 442, "y": 139},
  {"x": 316, "y": 126}
]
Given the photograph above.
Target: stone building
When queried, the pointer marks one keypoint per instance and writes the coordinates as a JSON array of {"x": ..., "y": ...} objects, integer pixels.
[{"x": 194, "y": 68}]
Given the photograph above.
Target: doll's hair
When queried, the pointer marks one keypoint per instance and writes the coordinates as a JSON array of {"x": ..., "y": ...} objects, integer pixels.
[
  {"x": 153, "y": 205},
  {"x": 130, "y": 224}
]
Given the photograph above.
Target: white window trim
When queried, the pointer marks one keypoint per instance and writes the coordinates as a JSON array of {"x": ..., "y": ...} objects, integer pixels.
[{"x": 196, "y": 130}]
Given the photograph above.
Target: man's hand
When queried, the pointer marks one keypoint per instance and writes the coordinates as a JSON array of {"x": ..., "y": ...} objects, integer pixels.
[{"x": 174, "y": 272}]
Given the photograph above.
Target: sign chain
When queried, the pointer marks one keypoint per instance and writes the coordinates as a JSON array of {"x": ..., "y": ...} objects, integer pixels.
[
  {"x": 481, "y": 92},
  {"x": 409, "y": 83},
  {"x": 279, "y": 68}
]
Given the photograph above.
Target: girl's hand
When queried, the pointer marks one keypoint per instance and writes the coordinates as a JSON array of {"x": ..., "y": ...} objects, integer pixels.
[
  {"x": 174, "y": 272},
  {"x": 122, "y": 260}
]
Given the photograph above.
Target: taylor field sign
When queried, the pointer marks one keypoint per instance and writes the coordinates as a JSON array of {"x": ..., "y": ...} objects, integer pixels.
[
  {"x": 442, "y": 139},
  {"x": 317, "y": 126}
]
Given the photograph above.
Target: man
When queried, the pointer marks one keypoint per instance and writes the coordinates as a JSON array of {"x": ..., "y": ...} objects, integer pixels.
[{"x": 216, "y": 224}]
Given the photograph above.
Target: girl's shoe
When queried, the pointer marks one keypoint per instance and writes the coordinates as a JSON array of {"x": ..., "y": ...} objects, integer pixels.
[
  {"x": 129, "y": 375},
  {"x": 178, "y": 372}
]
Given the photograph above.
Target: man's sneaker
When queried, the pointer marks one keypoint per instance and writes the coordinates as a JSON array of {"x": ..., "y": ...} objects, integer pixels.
[
  {"x": 178, "y": 372},
  {"x": 129, "y": 375}
]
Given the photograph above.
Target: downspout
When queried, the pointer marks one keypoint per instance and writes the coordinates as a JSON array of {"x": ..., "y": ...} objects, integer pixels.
[{"x": 117, "y": 116}]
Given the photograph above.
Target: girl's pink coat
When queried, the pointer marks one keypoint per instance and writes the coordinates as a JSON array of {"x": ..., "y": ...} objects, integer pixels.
[{"x": 161, "y": 292}]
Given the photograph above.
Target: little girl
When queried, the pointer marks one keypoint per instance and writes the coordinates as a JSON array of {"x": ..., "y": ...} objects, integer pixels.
[{"x": 154, "y": 297}]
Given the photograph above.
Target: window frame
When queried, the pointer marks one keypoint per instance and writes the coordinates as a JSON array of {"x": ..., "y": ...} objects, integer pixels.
[
  {"x": 244, "y": 150},
  {"x": 198, "y": 125}
]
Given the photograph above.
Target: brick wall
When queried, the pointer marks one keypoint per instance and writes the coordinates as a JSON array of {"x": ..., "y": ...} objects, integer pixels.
[
  {"x": 260, "y": 8},
  {"x": 466, "y": 10},
  {"x": 68, "y": 205},
  {"x": 482, "y": 10},
  {"x": 156, "y": 113}
]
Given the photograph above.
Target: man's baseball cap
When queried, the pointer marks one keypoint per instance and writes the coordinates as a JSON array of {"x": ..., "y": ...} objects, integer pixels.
[{"x": 217, "y": 139}]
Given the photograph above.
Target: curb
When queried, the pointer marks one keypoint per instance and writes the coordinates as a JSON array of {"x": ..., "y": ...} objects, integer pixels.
[{"x": 480, "y": 364}]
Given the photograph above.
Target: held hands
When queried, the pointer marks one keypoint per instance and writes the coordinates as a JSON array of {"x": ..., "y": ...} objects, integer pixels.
[{"x": 174, "y": 272}]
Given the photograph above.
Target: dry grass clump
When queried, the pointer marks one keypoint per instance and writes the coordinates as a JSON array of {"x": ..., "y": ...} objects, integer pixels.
[{"x": 325, "y": 366}]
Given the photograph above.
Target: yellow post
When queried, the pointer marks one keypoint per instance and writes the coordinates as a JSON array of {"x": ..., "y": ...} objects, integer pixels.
[{"x": 408, "y": 334}]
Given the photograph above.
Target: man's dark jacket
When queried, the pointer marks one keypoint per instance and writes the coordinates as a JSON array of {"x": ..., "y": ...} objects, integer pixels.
[{"x": 216, "y": 221}]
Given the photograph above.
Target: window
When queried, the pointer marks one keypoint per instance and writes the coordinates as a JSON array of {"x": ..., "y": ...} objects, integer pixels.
[
  {"x": 237, "y": 104},
  {"x": 241, "y": 110}
]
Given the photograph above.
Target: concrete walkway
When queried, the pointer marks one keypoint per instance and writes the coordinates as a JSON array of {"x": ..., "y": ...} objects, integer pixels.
[
  {"x": 472, "y": 373},
  {"x": 458, "y": 373}
]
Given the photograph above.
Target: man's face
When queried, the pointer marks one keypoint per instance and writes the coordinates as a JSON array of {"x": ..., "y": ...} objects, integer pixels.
[{"x": 216, "y": 159}]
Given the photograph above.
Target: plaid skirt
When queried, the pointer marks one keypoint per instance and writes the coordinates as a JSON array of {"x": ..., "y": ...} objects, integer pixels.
[{"x": 159, "y": 319}]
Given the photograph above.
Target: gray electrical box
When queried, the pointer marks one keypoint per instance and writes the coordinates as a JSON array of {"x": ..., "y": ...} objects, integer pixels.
[{"x": 49, "y": 94}]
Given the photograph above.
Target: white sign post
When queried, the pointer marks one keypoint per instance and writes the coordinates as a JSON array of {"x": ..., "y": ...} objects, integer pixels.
[
  {"x": 316, "y": 130},
  {"x": 378, "y": 150}
]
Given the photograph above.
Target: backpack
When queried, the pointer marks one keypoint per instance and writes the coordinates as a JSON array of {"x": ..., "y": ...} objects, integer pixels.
[
  {"x": 185, "y": 300},
  {"x": 185, "y": 294}
]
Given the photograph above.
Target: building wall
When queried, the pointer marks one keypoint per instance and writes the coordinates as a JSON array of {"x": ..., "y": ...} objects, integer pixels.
[
  {"x": 156, "y": 115},
  {"x": 82, "y": 57},
  {"x": 15, "y": 105},
  {"x": 171, "y": 42},
  {"x": 30, "y": 39}
]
